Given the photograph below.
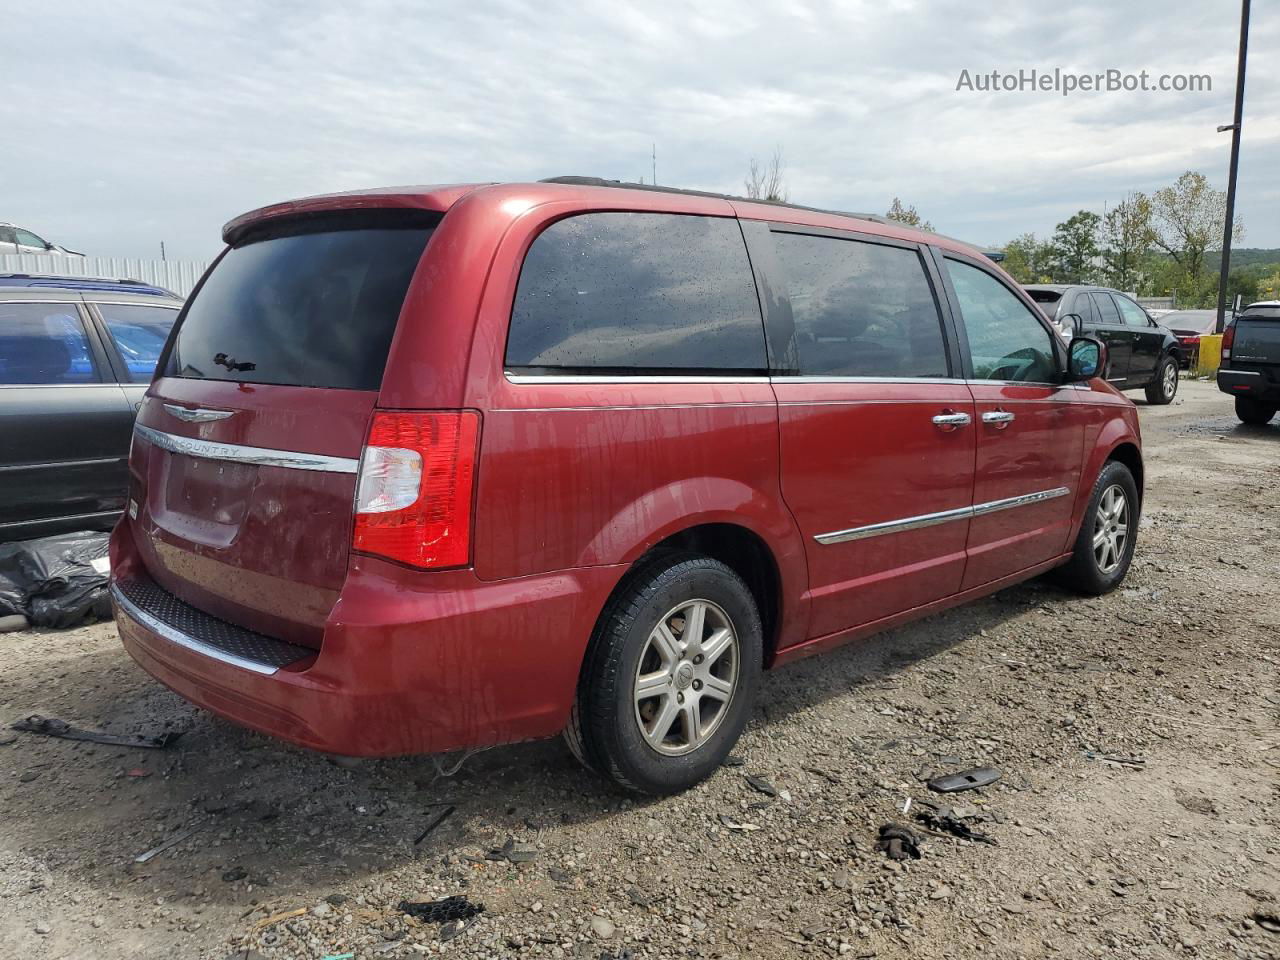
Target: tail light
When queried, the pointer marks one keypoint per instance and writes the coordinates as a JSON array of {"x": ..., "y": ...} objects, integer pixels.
[
  {"x": 1228, "y": 338},
  {"x": 413, "y": 496}
]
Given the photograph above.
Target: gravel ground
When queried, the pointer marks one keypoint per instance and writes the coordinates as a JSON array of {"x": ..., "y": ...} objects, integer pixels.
[{"x": 1175, "y": 853}]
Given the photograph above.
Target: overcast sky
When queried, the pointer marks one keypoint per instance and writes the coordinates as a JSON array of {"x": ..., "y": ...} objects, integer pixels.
[{"x": 125, "y": 124}]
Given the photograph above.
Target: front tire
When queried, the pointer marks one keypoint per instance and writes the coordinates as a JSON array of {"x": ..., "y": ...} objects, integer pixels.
[
  {"x": 1164, "y": 387},
  {"x": 670, "y": 676},
  {"x": 1108, "y": 533},
  {"x": 1254, "y": 412}
]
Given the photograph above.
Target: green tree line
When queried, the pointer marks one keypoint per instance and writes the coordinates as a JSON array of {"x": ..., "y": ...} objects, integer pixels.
[{"x": 1166, "y": 244}]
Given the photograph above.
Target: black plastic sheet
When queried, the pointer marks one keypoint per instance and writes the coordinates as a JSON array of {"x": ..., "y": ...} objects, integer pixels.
[{"x": 55, "y": 581}]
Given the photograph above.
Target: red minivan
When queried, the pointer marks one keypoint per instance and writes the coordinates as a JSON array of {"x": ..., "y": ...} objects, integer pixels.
[{"x": 434, "y": 468}]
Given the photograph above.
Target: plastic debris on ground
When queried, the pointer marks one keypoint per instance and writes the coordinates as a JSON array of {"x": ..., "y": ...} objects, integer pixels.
[
  {"x": 55, "y": 581},
  {"x": 964, "y": 780},
  {"x": 438, "y": 819},
  {"x": 953, "y": 820},
  {"x": 898, "y": 842},
  {"x": 454, "y": 914},
  {"x": 53, "y": 727}
]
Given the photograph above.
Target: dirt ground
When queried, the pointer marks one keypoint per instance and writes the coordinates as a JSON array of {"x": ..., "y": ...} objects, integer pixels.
[{"x": 1170, "y": 850}]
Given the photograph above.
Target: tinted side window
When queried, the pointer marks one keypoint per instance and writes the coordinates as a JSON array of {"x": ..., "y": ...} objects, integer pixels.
[
  {"x": 139, "y": 333},
  {"x": 630, "y": 291},
  {"x": 861, "y": 309},
  {"x": 1083, "y": 305},
  {"x": 1131, "y": 312},
  {"x": 44, "y": 343},
  {"x": 1106, "y": 308},
  {"x": 1006, "y": 340}
]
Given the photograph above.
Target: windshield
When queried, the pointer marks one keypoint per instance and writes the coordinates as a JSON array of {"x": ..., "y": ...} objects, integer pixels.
[
  {"x": 1047, "y": 301},
  {"x": 313, "y": 304}
]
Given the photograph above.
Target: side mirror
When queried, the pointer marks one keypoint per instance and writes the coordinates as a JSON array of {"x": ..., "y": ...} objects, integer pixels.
[
  {"x": 1086, "y": 358},
  {"x": 1073, "y": 322}
]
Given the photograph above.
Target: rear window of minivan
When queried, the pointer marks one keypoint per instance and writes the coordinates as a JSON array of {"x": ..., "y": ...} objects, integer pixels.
[
  {"x": 633, "y": 292},
  {"x": 310, "y": 303}
]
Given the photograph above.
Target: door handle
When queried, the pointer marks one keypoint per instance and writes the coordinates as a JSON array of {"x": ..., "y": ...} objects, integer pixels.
[
  {"x": 998, "y": 418},
  {"x": 949, "y": 421}
]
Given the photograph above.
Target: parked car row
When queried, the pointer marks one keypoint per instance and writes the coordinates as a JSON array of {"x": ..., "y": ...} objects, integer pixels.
[
  {"x": 76, "y": 356},
  {"x": 444, "y": 467}
]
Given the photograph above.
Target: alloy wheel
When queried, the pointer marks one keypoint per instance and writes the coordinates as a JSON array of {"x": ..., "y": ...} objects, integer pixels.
[
  {"x": 1111, "y": 528},
  {"x": 1170, "y": 384},
  {"x": 686, "y": 677}
]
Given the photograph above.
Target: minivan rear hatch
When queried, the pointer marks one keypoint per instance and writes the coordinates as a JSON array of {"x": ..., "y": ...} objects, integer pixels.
[{"x": 247, "y": 448}]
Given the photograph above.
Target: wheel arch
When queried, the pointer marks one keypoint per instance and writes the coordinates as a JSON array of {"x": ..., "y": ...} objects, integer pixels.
[
  {"x": 744, "y": 551},
  {"x": 1127, "y": 452}
]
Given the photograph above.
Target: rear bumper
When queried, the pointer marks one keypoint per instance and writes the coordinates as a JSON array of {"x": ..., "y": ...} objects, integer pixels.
[
  {"x": 410, "y": 662},
  {"x": 1248, "y": 383}
]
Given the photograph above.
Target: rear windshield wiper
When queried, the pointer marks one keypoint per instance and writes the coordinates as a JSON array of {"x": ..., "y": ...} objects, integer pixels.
[{"x": 222, "y": 360}]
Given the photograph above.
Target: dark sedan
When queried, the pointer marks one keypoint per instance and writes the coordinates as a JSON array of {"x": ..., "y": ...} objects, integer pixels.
[
  {"x": 1141, "y": 354},
  {"x": 76, "y": 356}
]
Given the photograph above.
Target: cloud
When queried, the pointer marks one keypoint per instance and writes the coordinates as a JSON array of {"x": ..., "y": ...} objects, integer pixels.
[{"x": 128, "y": 124}]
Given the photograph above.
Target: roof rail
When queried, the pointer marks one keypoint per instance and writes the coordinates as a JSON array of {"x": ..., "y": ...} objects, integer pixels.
[
  {"x": 600, "y": 182},
  {"x": 84, "y": 283}
]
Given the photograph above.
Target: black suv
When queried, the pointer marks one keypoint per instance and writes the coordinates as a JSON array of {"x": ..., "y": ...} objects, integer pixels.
[
  {"x": 1250, "y": 369},
  {"x": 76, "y": 356},
  {"x": 1140, "y": 352}
]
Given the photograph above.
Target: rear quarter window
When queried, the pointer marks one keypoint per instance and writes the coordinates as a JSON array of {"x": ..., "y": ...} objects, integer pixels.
[
  {"x": 637, "y": 291},
  {"x": 138, "y": 333},
  {"x": 311, "y": 304}
]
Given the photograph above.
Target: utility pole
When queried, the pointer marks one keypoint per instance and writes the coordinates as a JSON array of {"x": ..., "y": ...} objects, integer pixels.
[
  {"x": 655, "y": 164},
  {"x": 162, "y": 257},
  {"x": 1235, "y": 163}
]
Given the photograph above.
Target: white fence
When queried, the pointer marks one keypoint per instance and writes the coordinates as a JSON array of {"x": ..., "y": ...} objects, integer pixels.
[{"x": 176, "y": 275}]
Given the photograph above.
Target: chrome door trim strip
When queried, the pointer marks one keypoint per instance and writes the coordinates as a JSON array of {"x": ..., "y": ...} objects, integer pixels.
[
  {"x": 807, "y": 378},
  {"x": 993, "y": 506},
  {"x": 894, "y": 526},
  {"x": 526, "y": 379},
  {"x": 1241, "y": 373},
  {"x": 182, "y": 640},
  {"x": 944, "y": 516},
  {"x": 236, "y": 453}
]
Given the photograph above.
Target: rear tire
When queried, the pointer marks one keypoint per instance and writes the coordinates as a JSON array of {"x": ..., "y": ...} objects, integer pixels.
[
  {"x": 1108, "y": 533},
  {"x": 1164, "y": 387},
  {"x": 1254, "y": 412},
  {"x": 659, "y": 706}
]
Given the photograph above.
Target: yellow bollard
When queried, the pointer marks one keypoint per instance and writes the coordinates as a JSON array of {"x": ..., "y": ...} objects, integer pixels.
[{"x": 1210, "y": 354}]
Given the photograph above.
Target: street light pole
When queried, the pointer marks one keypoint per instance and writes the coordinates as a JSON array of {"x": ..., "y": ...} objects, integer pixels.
[{"x": 1235, "y": 163}]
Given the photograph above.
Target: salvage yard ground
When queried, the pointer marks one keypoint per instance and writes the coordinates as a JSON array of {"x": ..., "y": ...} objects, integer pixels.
[{"x": 1175, "y": 853}]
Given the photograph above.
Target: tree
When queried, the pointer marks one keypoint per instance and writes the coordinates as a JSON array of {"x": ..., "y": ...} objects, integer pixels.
[
  {"x": 907, "y": 215},
  {"x": 1187, "y": 220},
  {"x": 1028, "y": 260},
  {"x": 767, "y": 183},
  {"x": 1126, "y": 241},
  {"x": 1268, "y": 287},
  {"x": 1075, "y": 248}
]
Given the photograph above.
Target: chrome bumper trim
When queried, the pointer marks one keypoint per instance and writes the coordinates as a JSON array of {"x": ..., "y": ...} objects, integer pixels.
[{"x": 236, "y": 453}]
